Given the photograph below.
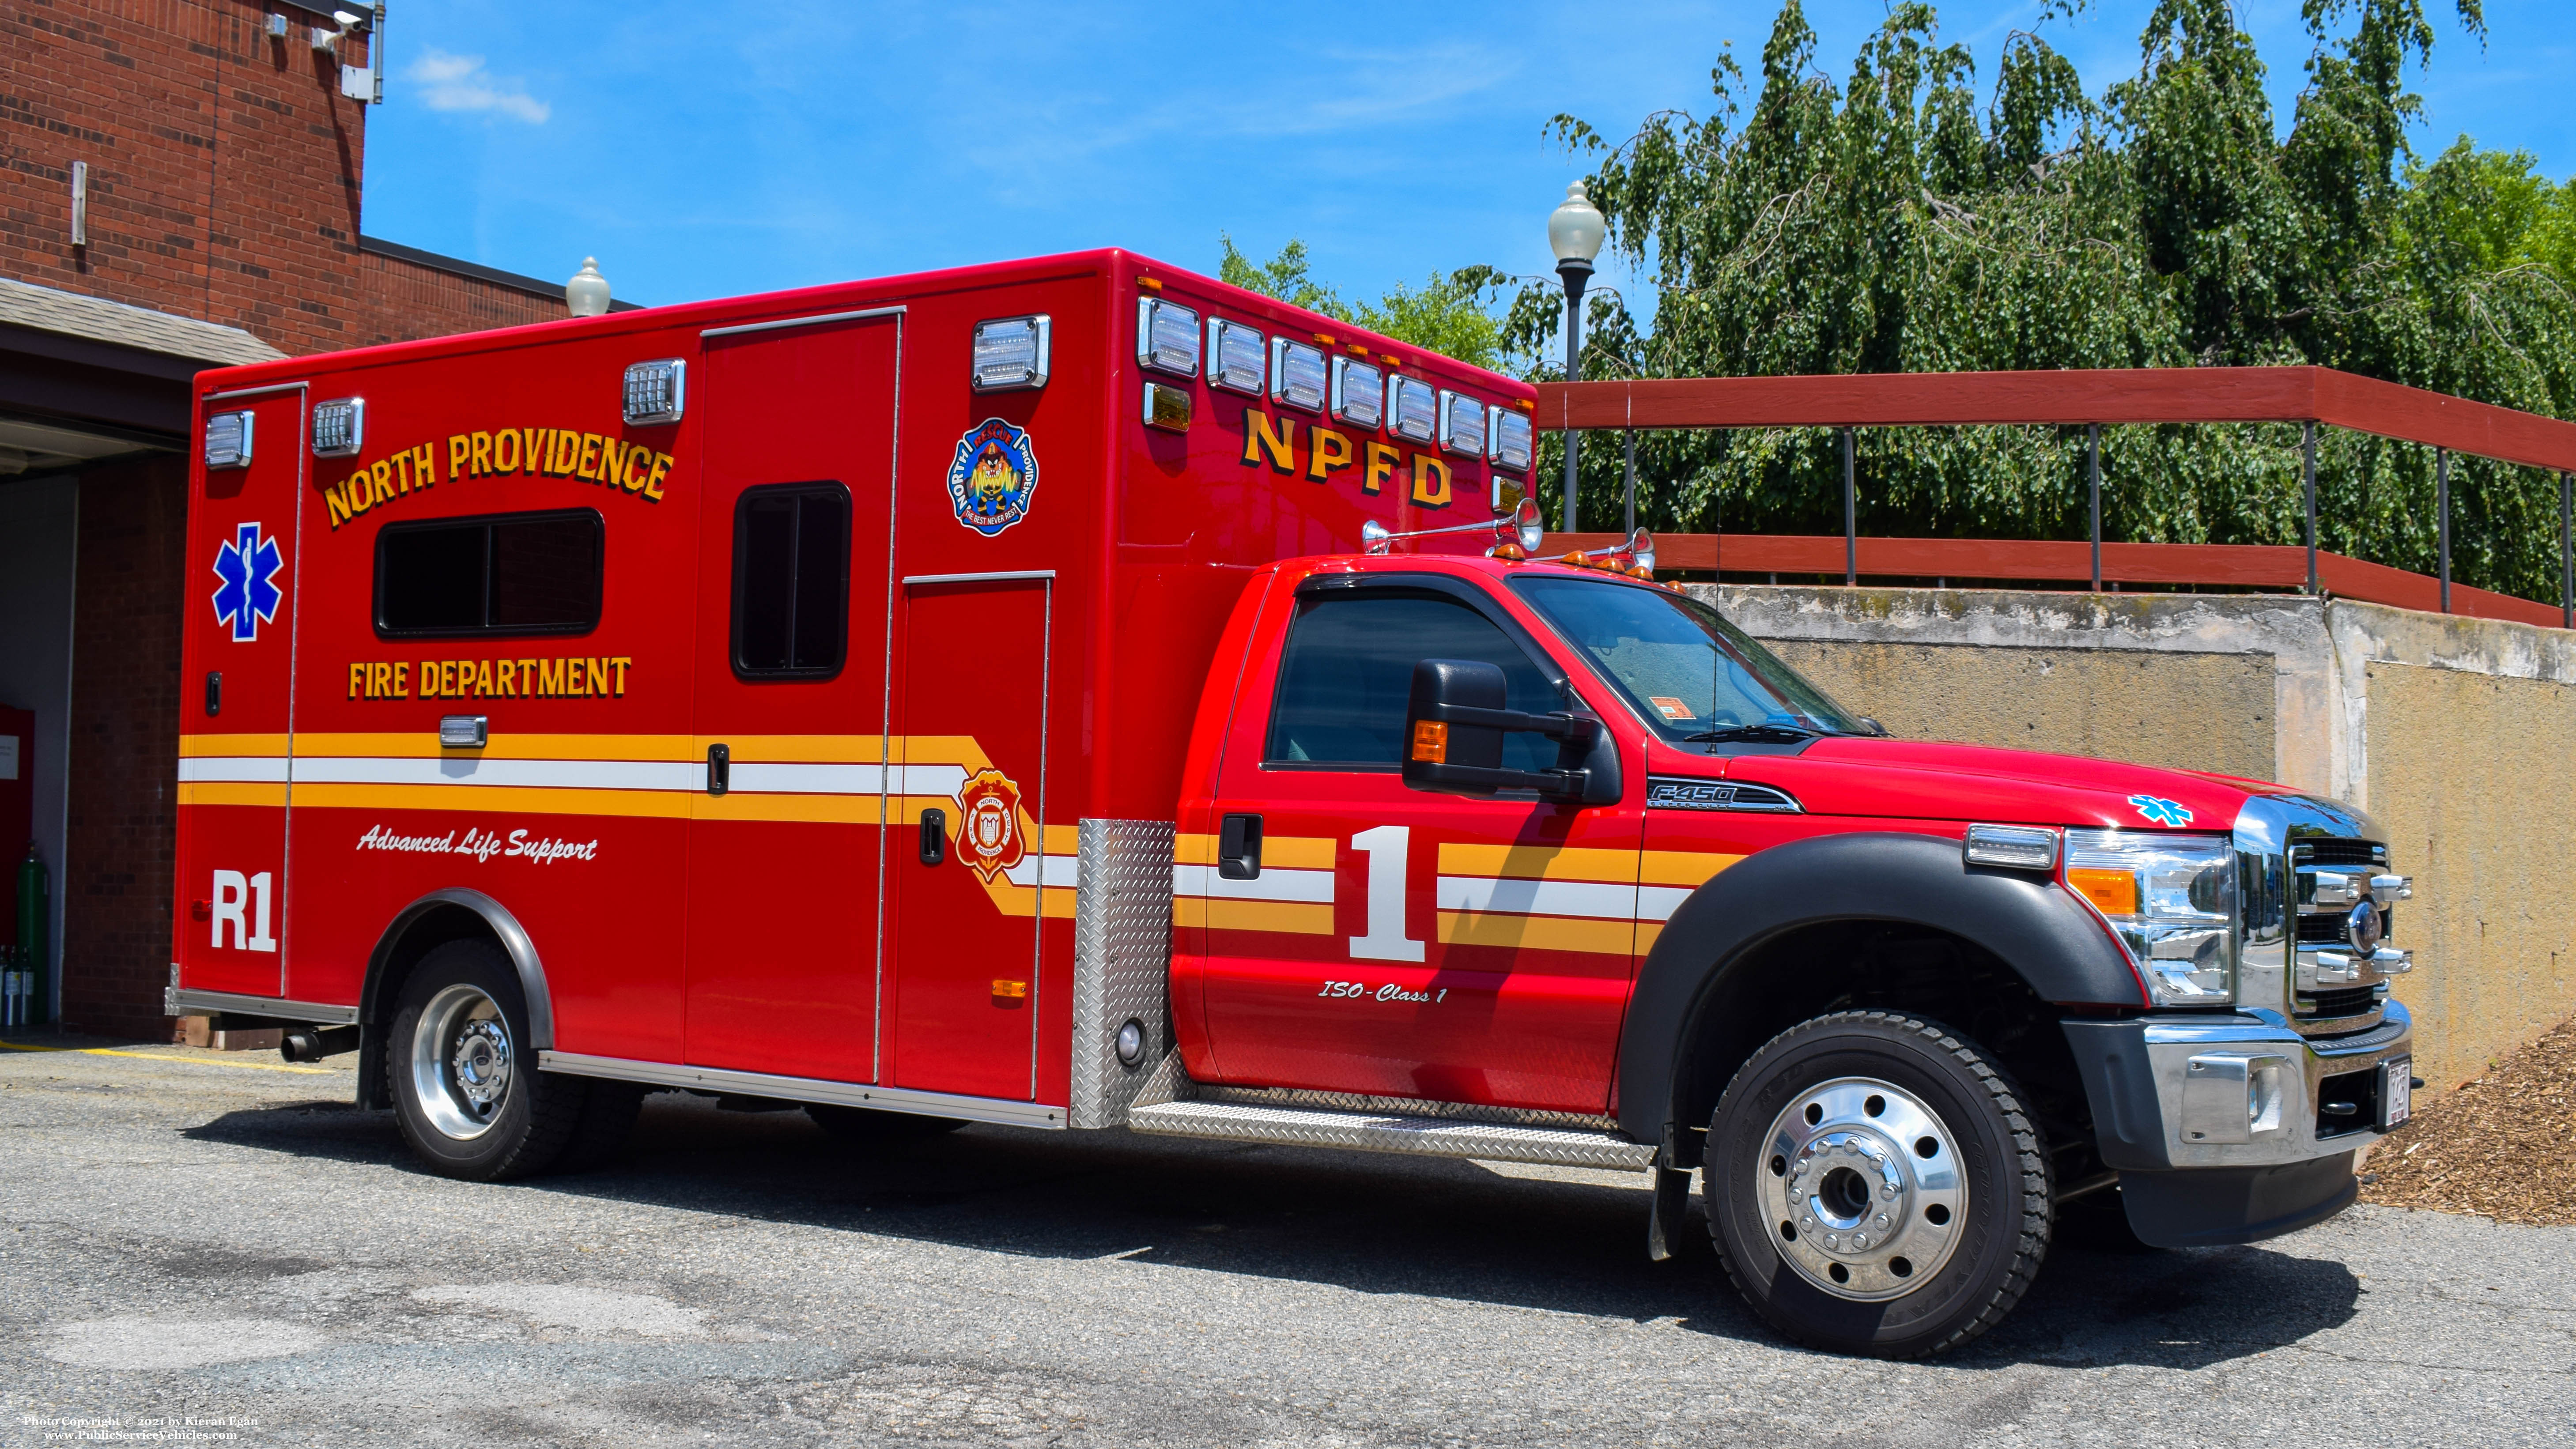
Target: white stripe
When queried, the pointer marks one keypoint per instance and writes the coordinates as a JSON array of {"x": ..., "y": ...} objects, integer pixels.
[
  {"x": 270, "y": 769},
  {"x": 1511, "y": 895},
  {"x": 929, "y": 779},
  {"x": 1657, "y": 903},
  {"x": 807, "y": 779},
  {"x": 474, "y": 770},
  {"x": 1061, "y": 870},
  {"x": 1314, "y": 887}
]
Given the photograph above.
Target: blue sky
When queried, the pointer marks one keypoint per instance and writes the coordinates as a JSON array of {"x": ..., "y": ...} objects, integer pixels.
[{"x": 703, "y": 150}]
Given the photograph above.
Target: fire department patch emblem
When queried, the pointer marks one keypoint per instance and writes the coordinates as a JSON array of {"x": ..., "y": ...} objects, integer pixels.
[
  {"x": 993, "y": 476},
  {"x": 988, "y": 825}
]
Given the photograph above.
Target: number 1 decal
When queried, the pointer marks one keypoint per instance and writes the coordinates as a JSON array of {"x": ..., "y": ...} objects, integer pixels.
[{"x": 1386, "y": 847}]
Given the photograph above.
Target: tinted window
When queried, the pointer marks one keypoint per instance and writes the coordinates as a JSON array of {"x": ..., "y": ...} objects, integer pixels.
[
  {"x": 1348, "y": 670},
  {"x": 791, "y": 581},
  {"x": 1688, "y": 672},
  {"x": 514, "y": 573}
]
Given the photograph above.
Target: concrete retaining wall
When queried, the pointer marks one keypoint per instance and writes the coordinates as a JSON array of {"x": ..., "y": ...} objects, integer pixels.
[{"x": 2457, "y": 735}]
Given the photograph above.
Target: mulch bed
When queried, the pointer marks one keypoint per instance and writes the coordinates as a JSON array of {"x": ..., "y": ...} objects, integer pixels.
[{"x": 2502, "y": 1146}]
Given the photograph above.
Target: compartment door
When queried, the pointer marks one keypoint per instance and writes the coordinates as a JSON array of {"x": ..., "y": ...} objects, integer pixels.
[
  {"x": 972, "y": 767},
  {"x": 235, "y": 731},
  {"x": 792, "y": 579}
]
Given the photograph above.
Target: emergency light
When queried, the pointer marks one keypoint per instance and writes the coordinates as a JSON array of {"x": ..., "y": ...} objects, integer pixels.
[
  {"x": 1011, "y": 353},
  {"x": 654, "y": 391},
  {"x": 1462, "y": 424},
  {"x": 228, "y": 440},
  {"x": 1167, "y": 407},
  {"x": 1357, "y": 396},
  {"x": 1234, "y": 357},
  {"x": 1167, "y": 337},
  {"x": 1412, "y": 409},
  {"x": 1296, "y": 374},
  {"x": 1507, "y": 439},
  {"x": 339, "y": 427}
]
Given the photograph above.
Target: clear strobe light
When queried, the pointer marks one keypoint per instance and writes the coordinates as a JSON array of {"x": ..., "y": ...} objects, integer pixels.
[
  {"x": 1462, "y": 424},
  {"x": 339, "y": 427},
  {"x": 1358, "y": 393},
  {"x": 1234, "y": 357},
  {"x": 1296, "y": 374},
  {"x": 655, "y": 391},
  {"x": 1011, "y": 353},
  {"x": 228, "y": 440},
  {"x": 1507, "y": 439},
  {"x": 1167, "y": 337},
  {"x": 1412, "y": 409}
]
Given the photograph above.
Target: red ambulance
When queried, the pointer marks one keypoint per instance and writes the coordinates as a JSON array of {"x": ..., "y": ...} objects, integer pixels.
[{"x": 1077, "y": 694}]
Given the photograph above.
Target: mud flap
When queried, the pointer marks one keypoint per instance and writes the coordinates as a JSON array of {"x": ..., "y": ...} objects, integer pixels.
[{"x": 1670, "y": 1209}]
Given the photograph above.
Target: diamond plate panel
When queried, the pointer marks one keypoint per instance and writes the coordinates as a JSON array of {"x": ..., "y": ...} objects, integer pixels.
[
  {"x": 1122, "y": 960},
  {"x": 1371, "y": 1132},
  {"x": 1296, "y": 1098}
]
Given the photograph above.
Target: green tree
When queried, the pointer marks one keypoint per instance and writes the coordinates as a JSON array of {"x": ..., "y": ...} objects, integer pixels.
[{"x": 1450, "y": 315}]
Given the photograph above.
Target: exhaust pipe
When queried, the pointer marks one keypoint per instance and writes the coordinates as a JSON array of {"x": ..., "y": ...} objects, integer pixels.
[{"x": 313, "y": 1043}]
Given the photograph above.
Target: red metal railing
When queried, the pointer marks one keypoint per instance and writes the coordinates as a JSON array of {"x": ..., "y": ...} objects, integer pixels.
[{"x": 2313, "y": 396}]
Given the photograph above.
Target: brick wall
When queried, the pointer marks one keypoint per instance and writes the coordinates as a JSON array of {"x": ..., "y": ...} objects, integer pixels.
[
  {"x": 118, "y": 852},
  {"x": 225, "y": 176}
]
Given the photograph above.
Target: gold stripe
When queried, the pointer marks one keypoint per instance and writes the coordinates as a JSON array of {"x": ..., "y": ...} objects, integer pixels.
[
  {"x": 1647, "y": 934},
  {"x": 231, "y": 792},
  {"x": 1193, "y": 850},
  {"x": 1288, "y": 852},
  {"x": 1303, "y": 918},
  {"x": 796, "y": 749},
  {"x": 1537, "y": 933},
  {"x": 536, "y": 800},
  {"x": 1539, "y": 862},
  {"x": 809, "y": 809},
  {"x": 201, "y": 746},
  {"x": 1681, "y": 867}
]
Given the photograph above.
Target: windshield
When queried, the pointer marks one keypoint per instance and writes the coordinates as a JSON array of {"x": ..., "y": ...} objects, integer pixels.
[{"x": 1694, "y": 677}]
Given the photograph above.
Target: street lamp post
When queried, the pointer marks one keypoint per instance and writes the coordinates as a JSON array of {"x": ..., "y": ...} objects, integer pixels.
[{"x": 1574, "y": 232}]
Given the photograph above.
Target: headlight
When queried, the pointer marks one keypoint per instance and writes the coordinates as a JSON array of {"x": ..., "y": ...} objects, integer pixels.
[{"x": 2171, "y": 899}]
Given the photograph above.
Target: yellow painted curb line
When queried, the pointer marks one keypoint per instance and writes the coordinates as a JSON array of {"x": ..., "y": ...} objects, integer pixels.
[{"x": 164, "y": 1057}]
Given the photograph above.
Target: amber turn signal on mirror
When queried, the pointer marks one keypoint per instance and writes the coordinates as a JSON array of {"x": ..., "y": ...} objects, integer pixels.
[{"x": 1430, "y": 741}]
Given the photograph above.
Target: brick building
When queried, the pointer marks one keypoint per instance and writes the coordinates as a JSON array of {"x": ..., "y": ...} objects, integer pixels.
[{"x": 181, "y": 186}]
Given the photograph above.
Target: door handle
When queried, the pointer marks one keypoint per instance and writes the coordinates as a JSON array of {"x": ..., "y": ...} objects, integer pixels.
[
  {"x": 719, "y": 769},
  {"x": 934, "y": 836},
  {"x": 214, "y": 691},
  {"x": 1238, "y": 848}
]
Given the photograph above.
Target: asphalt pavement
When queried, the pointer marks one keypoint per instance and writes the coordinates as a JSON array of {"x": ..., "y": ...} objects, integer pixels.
[{"x": 197, "y": 1245}]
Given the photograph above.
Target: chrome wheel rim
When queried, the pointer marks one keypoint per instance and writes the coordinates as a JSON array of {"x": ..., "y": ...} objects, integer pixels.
[
  {"x": 462, "y": 1062},
  {"x": 1863, "y": 1189}
]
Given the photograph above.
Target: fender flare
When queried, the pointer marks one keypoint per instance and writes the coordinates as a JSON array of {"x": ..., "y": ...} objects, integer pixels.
[
  {"x": 2042, "y": 933},
  {"x": 373, "y": 1006}
]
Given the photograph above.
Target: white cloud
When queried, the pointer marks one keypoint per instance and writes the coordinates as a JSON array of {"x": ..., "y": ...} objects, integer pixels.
[{"x": 458, "y": 83}]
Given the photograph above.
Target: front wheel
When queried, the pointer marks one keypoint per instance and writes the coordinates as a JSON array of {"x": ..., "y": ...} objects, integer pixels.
[{"x": 1875, "y": 1186}]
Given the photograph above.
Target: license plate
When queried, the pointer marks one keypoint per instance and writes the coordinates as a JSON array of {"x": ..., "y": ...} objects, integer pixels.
[{"x": 2396, "y": 1091}]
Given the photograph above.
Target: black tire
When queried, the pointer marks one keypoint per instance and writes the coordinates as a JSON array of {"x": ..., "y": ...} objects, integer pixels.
[
  {"x": 1936, "y": 1275},
  {"x": 527, "y": 1120},
  {"x": 867, "y": 1127}
]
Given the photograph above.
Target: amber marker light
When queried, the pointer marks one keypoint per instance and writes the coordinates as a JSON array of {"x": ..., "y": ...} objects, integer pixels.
[
  {"x": 1010, "y": 990},
  {"x": 1430, "y": 741},
  {"x": 2112, "y": 892}
]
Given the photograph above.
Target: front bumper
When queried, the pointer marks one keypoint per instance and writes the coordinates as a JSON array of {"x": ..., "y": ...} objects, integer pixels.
[{"x": 2219, "y": 1125}]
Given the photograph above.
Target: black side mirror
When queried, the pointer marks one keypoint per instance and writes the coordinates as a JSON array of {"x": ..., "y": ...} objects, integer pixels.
[{"x": 1454, "y": 725}]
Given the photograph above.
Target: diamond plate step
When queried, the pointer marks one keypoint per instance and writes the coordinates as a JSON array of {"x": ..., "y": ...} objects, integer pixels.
[{"x": 1380, "y": 1132}]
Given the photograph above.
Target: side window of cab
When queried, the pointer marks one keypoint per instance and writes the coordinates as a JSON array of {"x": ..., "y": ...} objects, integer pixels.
[{"x": 1347, "y": 670}]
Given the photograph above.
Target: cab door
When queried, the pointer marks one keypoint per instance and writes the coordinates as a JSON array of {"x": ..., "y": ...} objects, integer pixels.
[
  {"x": 784, "y": 839},
  {"x": 1399, "y": 942},
  {"x": 237, "y": 643}
]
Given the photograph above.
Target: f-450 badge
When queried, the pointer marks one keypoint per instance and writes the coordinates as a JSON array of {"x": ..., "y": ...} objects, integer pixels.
[
  {"x": 988, "y": 825},
  {"x": 993, "y": 476}
]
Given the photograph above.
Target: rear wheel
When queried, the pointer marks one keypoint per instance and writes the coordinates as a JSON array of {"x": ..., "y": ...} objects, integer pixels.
[
  {"x": 869, "y": 1127},
  {"x": 1875, "y": 1186},
  {"x": 465, "y": 1084}
]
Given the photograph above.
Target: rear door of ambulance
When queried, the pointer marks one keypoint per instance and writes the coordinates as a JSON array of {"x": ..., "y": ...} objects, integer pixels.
[{"x": 237, "y": 646}]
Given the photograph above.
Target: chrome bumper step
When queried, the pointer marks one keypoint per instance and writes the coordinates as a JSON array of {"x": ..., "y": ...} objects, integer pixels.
[{"x": 1387, "y": 1132}]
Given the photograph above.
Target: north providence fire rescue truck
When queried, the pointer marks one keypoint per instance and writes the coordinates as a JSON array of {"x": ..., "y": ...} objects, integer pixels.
[{"x": 1044, "y": 694}]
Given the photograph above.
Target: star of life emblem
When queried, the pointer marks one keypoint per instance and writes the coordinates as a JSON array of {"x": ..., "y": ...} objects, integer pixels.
[
  {"x": 992, "y": 477},
  {"x": 988, "y": 824},
  {"x": 248, "y": 566},
  {"x": 2160, "y": 811}
]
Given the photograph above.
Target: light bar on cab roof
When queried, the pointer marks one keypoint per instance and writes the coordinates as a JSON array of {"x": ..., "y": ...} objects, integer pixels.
[
  {"x": 1358, "y": 395},
  {"x": 1235, "y": 356},
  {"x": 1296, "y": 374},
  {"x": 1412, "y": 409},
  {"x": 1012, "y": 353},
  {"x": 1167, "y": 337},
  {"x": 339, "y": 427},
  {"x": 1462, "y": 424}
]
